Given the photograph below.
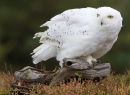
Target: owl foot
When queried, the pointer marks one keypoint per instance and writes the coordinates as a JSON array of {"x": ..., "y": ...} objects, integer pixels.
[
  {"x": 96, "y": 62},
  {"x": 91, "y": 61}
]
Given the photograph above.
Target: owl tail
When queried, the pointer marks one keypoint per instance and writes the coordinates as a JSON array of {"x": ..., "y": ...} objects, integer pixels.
[{"x": 43, "y": 53}]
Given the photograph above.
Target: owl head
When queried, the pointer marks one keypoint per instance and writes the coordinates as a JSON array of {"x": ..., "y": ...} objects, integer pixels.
[{"x": 109, "y": 18}]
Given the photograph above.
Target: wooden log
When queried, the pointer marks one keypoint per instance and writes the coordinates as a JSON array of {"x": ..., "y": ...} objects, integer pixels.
[{"x": 70, "y": 66}]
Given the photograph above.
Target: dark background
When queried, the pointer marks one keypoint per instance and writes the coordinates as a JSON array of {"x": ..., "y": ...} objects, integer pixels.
[{"x": 20, "y": 20}]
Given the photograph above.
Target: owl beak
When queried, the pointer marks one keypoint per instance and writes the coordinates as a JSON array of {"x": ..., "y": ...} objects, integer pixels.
[{"x": 101, "y": 22}]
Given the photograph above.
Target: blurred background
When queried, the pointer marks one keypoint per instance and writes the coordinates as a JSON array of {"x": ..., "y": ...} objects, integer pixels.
[{"x": 20, "y": 20}]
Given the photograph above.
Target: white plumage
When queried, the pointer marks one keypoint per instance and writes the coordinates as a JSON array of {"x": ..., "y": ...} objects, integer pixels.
[{"x": 87, "y": 33}]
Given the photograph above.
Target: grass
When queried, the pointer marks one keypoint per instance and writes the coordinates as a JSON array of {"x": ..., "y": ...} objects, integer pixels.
[
  {"x": 112, "y": 85},
  {"x": 5, "y": 80}
]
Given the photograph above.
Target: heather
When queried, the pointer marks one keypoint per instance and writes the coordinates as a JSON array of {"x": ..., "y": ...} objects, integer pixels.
[{"x": 112, "y": 85}]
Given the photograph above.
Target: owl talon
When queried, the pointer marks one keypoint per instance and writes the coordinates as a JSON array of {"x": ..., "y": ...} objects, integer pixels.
[
  {"x": 94, "y": 63},
  {"x": 98, "y": 61}
]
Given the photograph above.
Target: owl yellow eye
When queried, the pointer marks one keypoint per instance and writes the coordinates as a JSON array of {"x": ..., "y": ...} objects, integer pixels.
[
  {"x": 110, "y": 17},
  {"x": 98, "y": 15}
]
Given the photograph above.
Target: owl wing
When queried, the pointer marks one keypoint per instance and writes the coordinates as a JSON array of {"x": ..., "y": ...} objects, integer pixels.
[{"x": 68, "y": 23}]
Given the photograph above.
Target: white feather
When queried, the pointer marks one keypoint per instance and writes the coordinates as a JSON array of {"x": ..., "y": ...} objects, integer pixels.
[
  {"x": 38, "y": 35},
  {"x": 43, "y": 53}
]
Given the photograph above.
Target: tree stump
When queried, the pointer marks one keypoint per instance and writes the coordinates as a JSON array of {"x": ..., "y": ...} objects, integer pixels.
[{"x": 27, "y": 77}]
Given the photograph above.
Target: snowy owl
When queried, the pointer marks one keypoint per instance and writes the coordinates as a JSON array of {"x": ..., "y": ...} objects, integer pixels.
[{"x": 86, "y": 33}]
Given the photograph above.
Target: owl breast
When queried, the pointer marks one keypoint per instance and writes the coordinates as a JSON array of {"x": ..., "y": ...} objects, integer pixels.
[{"x": 104, "y": 48}]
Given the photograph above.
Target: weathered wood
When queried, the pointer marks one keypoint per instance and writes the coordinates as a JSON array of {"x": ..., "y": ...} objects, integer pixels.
[
  {"x": 70, "y": 66},
  {"x": 30, "y": 75}
]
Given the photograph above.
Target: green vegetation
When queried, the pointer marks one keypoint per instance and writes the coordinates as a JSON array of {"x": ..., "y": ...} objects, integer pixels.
[
  {"x": 20, "y": 20},
  {"x": 112, "y": 85}
]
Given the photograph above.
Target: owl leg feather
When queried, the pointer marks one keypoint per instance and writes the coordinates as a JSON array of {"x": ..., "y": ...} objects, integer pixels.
[{"x": 90, "y": 60}]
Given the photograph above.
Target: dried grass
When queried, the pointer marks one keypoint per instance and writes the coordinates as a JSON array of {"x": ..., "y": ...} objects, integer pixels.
[{"x": 112, "y": 85}]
